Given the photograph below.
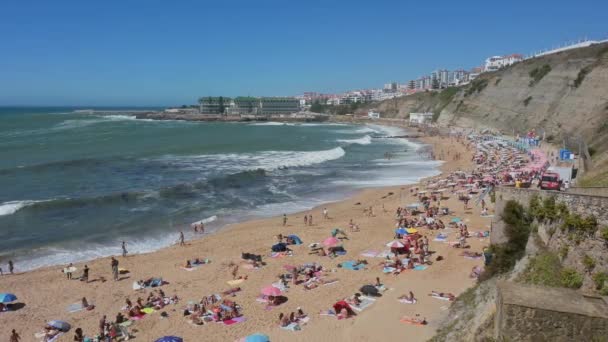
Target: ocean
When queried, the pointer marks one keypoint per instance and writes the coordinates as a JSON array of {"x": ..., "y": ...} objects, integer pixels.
[{"x": 74, "y": 185}]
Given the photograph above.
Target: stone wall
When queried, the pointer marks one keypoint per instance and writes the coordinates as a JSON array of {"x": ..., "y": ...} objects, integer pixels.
[
  {"x": 579, "y": 203},
  {"x": 531, "y": 313}
]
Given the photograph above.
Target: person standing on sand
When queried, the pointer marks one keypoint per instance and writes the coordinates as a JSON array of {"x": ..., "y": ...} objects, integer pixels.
[
  {"x": 102, "y": 325},
  {"x": 181, "y": 239},
  {"x": 284, "y": 220},
  {"x": 310, "y": 220},
  {"x": 325, "y": 213},
  {"x": 15, "y": 337},
  {"x": 11, "y": 266},
  {"x": 124, "y": 249},
  {"x": 85, "y": 274},
  {"x": 306, "y": 220},
  {"x": 114, "y": 264},
  {"x": 68, "y": 271}
]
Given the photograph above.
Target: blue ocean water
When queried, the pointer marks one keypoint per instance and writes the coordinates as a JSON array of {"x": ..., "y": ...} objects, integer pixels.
[{"x": 74, "y": 185}]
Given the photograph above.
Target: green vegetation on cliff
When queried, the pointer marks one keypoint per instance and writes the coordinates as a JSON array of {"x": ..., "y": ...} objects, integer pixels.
[{"x": 537, "y": 74}]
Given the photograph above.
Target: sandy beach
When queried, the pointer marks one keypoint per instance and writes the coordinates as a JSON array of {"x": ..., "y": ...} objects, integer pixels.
[{"x": 47, "y": 293}]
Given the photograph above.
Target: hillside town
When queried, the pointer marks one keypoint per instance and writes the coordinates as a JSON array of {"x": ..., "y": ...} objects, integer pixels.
[{"x": 435, "y": 81}]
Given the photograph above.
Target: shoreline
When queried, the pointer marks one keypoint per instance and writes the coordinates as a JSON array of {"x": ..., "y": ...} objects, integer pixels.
[
  {"x": 235, "y": 220},
  {"x": 166, "y": 260}
]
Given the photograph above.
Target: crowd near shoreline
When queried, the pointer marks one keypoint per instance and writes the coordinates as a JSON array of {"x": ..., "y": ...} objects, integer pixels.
[{"x": 385, "y": 262}]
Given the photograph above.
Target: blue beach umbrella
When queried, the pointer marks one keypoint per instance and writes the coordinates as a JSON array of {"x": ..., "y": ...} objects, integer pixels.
[
  {"x": 170, "y": 339},
  {"x": 401, "y": 231},
  {"x": 7, "y": 297},
  {"x": 257, "y": 338}
]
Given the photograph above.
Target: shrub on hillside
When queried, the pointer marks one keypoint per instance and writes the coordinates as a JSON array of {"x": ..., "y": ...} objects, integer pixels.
[
  {"x": 517, "y": 230},
  {"x": 571, "y": 279},
  {"x": 527, "y": 100},
  {"x": 581, "y": 76},
  {"x": 544, "y": 269},
  {"x": 537, "y": 74},
  {"x": 600, "y": 279},
  {"x": 588, "y": 262}
]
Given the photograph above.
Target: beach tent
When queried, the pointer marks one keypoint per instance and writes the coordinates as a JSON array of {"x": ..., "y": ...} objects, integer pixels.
[
  {"x": 257, "y": 338},
  {"x": 60, "y": 325},
  {"x": 7, "y": 297},
  {"x": 296, "y": 239},
  {"x": 170, "y": 339}
]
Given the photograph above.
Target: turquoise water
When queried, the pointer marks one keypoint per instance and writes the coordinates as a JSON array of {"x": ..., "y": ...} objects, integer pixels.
[{"x": 74, "y": 185}]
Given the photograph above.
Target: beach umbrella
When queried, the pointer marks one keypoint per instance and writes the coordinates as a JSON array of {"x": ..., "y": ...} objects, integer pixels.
[
  {"x": 369, "y": 290},
  {"x": 412, "y": 230},
  {"x": 271, "y": 291},
  {"x": 395, "y": 244},
  {"x": 60, "y": 325},
  {"x": 401, "y": 231},
  {"x": 170, "y": 339},
  {"x": 7, "y": 297},
  {"x": 257, "y": 338},
  {"x": 331, "y": 241}
]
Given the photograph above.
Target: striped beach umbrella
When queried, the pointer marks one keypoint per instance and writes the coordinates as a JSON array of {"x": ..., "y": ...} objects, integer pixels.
[{"x": 395, "y": 244}]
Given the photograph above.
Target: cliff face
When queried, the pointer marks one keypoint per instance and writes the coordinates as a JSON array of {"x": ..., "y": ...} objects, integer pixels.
[{"x": 564, "y": 95}]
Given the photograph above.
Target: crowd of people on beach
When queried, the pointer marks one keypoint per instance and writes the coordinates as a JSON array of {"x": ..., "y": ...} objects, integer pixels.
[{"x": 496, "y": 163}]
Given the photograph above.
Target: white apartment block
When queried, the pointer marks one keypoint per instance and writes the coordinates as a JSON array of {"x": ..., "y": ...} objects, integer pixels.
[{"x": 496, "y": 62}]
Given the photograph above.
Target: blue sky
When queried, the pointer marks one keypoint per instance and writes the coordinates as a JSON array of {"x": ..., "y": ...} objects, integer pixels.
[{"x": 171, "y": 52}]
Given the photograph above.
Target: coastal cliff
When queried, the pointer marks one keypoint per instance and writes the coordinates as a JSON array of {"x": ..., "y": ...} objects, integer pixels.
[{"x": 563, "y": 95}]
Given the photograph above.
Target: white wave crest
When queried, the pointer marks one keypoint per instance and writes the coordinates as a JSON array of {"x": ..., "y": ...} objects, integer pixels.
[
  {"x": 9, "y": 208},
  {"x": 366, "y": 140},
  {"x": 267, "y": 160},
  {"x": 270, "y": 123}
]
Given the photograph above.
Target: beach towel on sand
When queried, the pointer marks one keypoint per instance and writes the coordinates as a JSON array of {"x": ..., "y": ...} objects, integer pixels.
[
  {"x": 292, "y": 327},
  {"x": 405, "y": 301},
  {"x": 370, "y": 253},
  {"x": 350, "y": 265},
  {"x": 365, "y": 303},
  {"x": 235, "y": 282},
  {"x": 77, "y": 307},
  {"x": 234, "y": 320}
]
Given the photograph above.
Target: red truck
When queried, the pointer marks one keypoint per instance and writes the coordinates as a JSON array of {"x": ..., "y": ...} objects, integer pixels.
[{"x": 550, "y": 181}]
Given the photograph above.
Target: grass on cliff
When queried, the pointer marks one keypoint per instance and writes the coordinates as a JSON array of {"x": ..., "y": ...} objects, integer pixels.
[
  {"x": 517, "y": 229},
  {"x": 445, "y": 97},
  {"x": 477, "y": 85},
  {"x": 537, "y": 74},
  {"x": 581, "y": 76},
  {"x": 546, "y": 269}
]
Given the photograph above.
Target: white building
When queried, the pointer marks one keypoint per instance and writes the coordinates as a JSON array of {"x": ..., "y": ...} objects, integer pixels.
[
  {"x": 373, "y": 115},
  {"x": 420, "y": 118},
  {"x": 496, "y": 62}
]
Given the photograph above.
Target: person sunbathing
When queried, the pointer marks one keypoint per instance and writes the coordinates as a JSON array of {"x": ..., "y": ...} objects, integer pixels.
[
  {"x": 447, "y": 295},
  {"x": 188, "y": 264},
  {"x": 283, "y": 320},
  {"x": 415, "y": 320},
  {"x": 356, "y": 299},
  {"x": 300, "y": 314},
  {"x": 408, "y": 298}
]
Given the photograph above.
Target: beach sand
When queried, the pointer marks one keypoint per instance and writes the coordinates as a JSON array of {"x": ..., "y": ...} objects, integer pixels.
[{"x": 46, "y": 292}]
